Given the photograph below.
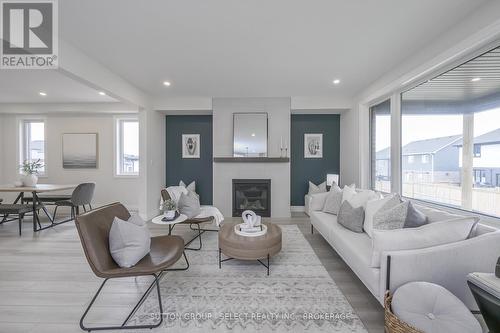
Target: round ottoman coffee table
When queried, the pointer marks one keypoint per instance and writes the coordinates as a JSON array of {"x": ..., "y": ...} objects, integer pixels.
[{"x": 249, "y": 248}]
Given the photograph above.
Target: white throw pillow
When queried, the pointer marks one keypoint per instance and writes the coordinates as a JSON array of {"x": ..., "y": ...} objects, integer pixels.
[
  {"x": 318, "y": 201},
  {"x": 359, "y": 199},
  {"x": 190, "y": 187},
  {"x": 372, "y": 207},
  {"x": 348, "y": 192},
  {"x": 431, "y": 234},
  {"x": 129, "y": 241},
  {"x": 313, "y": 188},
  {"x": 175, "y": 192}
]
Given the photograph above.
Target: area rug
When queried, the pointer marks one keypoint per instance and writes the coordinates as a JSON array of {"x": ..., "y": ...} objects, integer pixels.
[{"x": 298, "y": 296}]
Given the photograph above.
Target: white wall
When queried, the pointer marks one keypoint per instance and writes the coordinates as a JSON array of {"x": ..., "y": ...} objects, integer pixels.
[
  {"x": 108, "y": 188},
  {"x": 152, "y": 161},
  {"x": 278, "y": 110}
]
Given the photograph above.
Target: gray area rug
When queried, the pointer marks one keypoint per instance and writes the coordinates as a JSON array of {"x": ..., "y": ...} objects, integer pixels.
[{"x": 298, "y": 296}]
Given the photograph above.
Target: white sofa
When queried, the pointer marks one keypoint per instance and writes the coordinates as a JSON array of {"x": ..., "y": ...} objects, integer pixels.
[{"x": 446, "y": 265}]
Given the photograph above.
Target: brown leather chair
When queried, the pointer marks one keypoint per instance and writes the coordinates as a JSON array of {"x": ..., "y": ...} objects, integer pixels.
[
  {"x": 93, "y": 228},
  {"x": 192, "y": 222}
]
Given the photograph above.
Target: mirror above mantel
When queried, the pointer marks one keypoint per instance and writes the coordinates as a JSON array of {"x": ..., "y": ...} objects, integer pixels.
[{"x": 250, "y": 135}]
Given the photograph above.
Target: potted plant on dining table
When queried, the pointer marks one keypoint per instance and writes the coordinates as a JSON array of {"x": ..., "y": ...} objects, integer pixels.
[{"x": 30, "y": 172}]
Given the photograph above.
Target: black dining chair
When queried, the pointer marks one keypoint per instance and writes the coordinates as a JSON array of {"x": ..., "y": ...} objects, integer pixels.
[{"x": 81, "y": 197}]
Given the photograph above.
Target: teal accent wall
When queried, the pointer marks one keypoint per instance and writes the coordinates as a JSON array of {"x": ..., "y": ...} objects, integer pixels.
[
  {"x": 189, "y": 169},
  {"x": 303, "y": 169}
]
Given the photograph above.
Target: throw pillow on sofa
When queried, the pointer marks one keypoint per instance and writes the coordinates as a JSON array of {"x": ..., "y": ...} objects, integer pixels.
[
  {"x": 403, "y": 215},
  {"x": 348, "y": 192},
  {"x": 372, "y": 207},
  {"x": 189, "y": 205},
  {"x": 129, "y": 241},
  {"x": 350, "y": 217},
  {"x": 333, "y": 200},
  {"x": 361, "y": 198},
  {"x": 313, "y": 188},
  {"x": 431, "y": 234}
]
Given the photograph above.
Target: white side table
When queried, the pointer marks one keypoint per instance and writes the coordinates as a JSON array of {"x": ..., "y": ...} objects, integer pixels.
[{"x": 171, "y": 224}]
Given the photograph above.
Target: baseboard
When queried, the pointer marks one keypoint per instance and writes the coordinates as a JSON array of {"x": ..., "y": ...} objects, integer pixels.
[{"x": 297, "y": 209}]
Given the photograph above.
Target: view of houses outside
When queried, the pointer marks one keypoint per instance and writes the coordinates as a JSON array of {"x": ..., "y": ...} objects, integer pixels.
[{"x": 431, "y": 160}]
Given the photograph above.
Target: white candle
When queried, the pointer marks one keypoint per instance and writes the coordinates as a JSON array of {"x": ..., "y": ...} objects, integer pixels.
[{"x": 281, "y": 142}]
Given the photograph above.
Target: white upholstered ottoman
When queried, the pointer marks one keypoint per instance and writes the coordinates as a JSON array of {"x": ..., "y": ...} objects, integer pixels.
[{"x": 431, "y": 308}]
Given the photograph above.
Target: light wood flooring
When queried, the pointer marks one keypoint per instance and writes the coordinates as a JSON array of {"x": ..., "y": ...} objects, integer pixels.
[{"x": 46, "y": 283}]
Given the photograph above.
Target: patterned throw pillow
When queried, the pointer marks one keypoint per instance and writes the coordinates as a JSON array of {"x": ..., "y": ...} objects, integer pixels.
[
  {"x": 333, "y": 200},
  {"x": 351, "y": 218},
  {"x": 403, "y": 215},
  {"x": 313, "y": 188}
]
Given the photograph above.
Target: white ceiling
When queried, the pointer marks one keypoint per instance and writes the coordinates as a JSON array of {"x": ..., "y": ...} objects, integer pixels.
[
  {"x": 227, "y": 48},
  {"x": 23, "y": 86}
]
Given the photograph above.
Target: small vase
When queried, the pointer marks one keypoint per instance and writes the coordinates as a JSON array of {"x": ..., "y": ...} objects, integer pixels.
[
  {"x": 169, "y": 214},
  {"x": 30, "y": 180}
]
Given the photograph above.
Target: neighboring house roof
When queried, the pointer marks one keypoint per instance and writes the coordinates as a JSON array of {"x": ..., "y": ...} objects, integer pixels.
[
  {"x": 485, "y": 139},
  {"x": 420, "y": 147}
]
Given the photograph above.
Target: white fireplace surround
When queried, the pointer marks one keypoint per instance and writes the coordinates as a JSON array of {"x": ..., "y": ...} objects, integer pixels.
[{"x": 278, "y": 110}]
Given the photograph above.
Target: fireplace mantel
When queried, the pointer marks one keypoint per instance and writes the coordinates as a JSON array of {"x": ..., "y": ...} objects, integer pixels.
[{"x": 251, "y": 159}]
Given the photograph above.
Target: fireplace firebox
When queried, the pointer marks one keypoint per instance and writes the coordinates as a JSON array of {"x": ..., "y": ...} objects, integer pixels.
[{"x": 252, "y": 194}]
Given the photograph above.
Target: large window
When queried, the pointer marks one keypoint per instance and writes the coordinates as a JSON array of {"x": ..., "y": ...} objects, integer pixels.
[
  {"x": 32, "y": 142},
  {"x": 380, "y": 128},
  {"x": 450, "y": 133},
  {"x": 127, "y": 147}
]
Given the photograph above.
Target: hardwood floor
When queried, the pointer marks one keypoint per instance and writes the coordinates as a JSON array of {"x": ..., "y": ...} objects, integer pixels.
[{"x": 46, "y": 283}]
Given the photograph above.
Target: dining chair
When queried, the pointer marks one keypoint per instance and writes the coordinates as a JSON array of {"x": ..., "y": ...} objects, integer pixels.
[
  {"x": 93, "y": 229},
  {"x": 82, "y": 195}
]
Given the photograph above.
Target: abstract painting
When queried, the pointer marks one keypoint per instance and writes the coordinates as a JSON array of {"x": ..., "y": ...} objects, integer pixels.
[
  {"x": 190, "y": 146},
  {"x": 313, "y": 145},
  {"x": 80, "y": 151}
]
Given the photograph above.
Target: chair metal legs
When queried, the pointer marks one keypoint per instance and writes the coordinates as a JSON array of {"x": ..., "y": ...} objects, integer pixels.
[
  {"x": 141, "y": 300},
  {"x": 200, "y": 232}
]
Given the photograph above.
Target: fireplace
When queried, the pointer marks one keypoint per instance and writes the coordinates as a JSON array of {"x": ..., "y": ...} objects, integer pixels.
[{"x": 252, "y": 194}]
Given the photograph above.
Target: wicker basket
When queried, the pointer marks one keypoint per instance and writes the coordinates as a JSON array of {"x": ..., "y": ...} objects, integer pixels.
[{"x": 392, "y": 323}]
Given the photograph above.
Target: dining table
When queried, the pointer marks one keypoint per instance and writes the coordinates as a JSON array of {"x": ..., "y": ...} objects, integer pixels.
[{"x": 36, "y": 202}]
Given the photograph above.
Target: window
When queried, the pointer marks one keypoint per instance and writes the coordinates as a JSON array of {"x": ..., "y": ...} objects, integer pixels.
[
  {"x": 32, "y": 142},
  {"x": 411, "y": 159},
  {"x": 477, "y": 150},
  {"x": 127, "y": 147},
  {"x": 380, "y": 128},
  {"x": 455, "y": 117}
]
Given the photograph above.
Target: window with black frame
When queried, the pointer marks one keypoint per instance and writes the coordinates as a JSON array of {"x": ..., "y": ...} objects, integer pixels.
[{"x": 454, "y": 121}]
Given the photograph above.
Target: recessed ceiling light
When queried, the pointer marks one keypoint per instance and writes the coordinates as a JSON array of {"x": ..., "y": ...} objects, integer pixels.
[
  {"x": 166, "y": 83},
  {"x": 102, "y": 93},
  {"x": 336, "y": 81},
  {"x": 253, "y": 134},
  {"x": 476, "y": 79},
  {"x": 41, "y": 93}
]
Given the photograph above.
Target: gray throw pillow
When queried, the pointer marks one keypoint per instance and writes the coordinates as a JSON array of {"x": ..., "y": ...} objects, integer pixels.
[
  {"x": 403, "y": 215},
  {"x": 129, "y": 241},
  {"x": 351, "y": 218},
  {"x": 414, "y": 217},
  {"x": 189, "y": 205},
  {"x": 333, "y": 200}
]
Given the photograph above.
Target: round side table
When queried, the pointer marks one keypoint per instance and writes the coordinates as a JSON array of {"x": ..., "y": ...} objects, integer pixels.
[{"x": 171, "y": 224}]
